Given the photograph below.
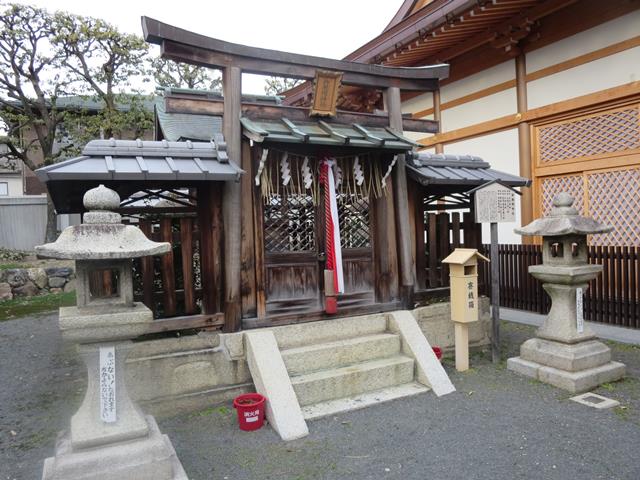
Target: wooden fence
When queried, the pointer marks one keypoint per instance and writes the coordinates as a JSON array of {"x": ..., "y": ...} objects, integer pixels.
[{"x": 612, "y": 298}]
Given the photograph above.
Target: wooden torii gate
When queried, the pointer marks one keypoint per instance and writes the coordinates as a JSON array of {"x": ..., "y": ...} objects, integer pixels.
[{"x": 234, "y": 59}]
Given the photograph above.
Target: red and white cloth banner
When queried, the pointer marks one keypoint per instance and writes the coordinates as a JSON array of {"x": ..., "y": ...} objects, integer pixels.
[{"x": 332, "y": 225}]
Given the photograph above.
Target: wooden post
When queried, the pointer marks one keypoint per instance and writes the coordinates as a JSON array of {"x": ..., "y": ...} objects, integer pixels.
[
  {"x": 437, "y": 116},
  {"x": 461, "y": 334},
  {"x": 495, "y": 295},
  {"x": 524, "y": 142},
  {"x": 231, "y": 208},
  {"x": 401, "y": 203},
  {"x": 210, "y": 226}
]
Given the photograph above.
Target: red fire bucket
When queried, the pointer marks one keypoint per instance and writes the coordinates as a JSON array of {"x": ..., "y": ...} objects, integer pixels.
[
  {"x": 438, "y": 352},
  {"x": 250, "y": 407}
]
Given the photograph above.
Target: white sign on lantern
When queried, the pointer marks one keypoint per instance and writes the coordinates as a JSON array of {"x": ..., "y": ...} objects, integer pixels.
[{"x": 495, "y": 203}]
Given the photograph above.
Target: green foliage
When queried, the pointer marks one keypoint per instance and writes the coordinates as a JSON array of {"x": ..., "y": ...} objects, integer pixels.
[
  {"x": 168, "y": 73},
  {"x": 23, "y": 306},
  {"x": 277, "y": 85},
  {"x": 7, "y": 254}
]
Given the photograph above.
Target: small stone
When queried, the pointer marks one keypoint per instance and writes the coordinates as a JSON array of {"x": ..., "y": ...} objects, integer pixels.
[
  {"x": 70, "y": 286},
  {"x": 5, "y": 292},
  {"x": 57, "y": 282},
  {"x": 59, "y": 271},
  {"x": 29, "y": 289},
  {"x": 55, "y": 290},
  {"x": 16, "y": 277},
  {"x": 38, "y": 276}
]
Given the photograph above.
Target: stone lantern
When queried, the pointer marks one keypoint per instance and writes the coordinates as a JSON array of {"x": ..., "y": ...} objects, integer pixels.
[
  {"x": 565, "y": 352},
  {"x": 109, "y": 436}
]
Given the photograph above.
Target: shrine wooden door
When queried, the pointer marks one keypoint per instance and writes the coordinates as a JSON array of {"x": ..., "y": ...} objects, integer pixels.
[{"x": 294, "y": 246}]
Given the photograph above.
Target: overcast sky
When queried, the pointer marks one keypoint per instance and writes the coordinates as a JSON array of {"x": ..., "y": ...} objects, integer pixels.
[{"x": 328, "y": 28}]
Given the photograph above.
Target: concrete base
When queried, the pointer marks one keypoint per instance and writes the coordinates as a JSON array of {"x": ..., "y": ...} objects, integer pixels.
[
  {"x": 357, "y": 402},
  {"x": 415, "y": 345},
  {"x": 272, "y": 380},
  {"x": 149, "y": 458},
  {"x": 574, "y": 382}
]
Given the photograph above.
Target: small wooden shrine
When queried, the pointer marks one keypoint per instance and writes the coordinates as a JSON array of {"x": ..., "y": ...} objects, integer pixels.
[{"x": 277, "y": 215}]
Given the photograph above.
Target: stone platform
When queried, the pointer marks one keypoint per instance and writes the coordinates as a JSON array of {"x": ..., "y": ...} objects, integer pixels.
[
  {"x": 148, "y": 458},
  {"x": 576, "y": 368}
]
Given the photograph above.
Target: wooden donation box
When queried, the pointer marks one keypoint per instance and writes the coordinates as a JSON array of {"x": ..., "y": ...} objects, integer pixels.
[{"x": 463, "y": 275}]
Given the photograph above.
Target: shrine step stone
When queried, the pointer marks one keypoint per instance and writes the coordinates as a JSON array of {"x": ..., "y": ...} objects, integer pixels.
[
  {"x": 291, "y": 336},
  {"x": 366, "y": 399},
  {"x": 340, "y": 353},
  {"x": 353, "y": 379}
]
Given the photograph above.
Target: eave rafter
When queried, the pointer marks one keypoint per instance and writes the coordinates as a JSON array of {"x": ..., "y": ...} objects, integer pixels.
[{"x": 480, "y": 25}]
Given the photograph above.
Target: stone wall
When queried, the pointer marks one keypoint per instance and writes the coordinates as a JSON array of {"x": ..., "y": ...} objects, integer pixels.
[
  {"x": 184, "y": 374},
  {"x": 435, "y": 322},
  {"x": 28, "y": 282}
]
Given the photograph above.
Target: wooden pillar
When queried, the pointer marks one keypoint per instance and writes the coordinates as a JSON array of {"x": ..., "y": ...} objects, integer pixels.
[
  {"x": 210, "y": 225},
  {"x": 437, "y": 116},
  {"x": 524, "y": 141},
  {"x": 401, "y": 202},
  {"x": 231, "y": 208}
]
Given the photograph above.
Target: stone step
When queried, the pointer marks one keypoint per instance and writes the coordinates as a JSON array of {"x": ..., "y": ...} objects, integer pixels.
[
  {"x": 352, "y": 380},
  {"x": 291, "y": 336},
  {"x": 341, "y": 405},
  {"x": 311, "y": 358}
]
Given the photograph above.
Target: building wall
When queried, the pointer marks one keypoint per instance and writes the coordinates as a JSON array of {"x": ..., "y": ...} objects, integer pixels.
[
  {"x": 14, "y": 183},
  {"x": 590, "y": 63},
  {"x": 23, "y": 222}
]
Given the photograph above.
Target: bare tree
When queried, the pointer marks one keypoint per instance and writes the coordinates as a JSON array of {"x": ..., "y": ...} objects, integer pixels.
[
  {"x": 277, "y": 85},
  {"x": 168, "y": 73},
  {"x": 30, "y": 84}
]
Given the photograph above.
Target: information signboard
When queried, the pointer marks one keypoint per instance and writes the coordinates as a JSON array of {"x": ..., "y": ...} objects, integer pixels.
[{"x": 495, "y": 203}]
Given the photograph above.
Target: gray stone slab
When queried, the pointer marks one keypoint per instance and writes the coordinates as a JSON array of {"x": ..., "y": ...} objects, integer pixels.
[
  {"x": 569, "y": 357},
  {"x": 148, "y": 458}
]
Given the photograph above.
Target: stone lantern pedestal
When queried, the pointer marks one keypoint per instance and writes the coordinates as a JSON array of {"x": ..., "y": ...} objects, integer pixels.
[
  {"x": 565, "y": 352},
  {"x": 109, "y": 437}
]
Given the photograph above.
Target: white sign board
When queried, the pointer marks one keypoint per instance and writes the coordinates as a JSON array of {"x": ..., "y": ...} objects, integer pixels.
[
  {"x": 108, "y": 384},
  {"x": 579, "y": 311},
  {"x": 495, "y": 203}
]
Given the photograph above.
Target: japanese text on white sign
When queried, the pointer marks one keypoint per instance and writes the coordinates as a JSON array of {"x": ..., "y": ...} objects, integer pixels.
[{"x": 108, "y": 384}]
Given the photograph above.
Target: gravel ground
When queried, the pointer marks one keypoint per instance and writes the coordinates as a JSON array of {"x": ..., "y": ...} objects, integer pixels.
[{"x": 496, "y": 426}]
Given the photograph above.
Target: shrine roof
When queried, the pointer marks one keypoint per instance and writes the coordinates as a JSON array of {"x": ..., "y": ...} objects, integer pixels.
[
  {"x": 320, "y": 132},
  {"x": 186, "y": 126},
  {"x": 446, "y": 169},
  {"x": 131, "y": 165}
]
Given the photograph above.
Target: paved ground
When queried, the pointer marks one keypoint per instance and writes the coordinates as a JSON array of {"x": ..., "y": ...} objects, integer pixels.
[{"x": 496, "y": 426}]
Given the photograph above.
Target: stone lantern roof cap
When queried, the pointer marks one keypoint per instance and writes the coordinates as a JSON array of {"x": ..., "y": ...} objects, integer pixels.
[
  {"x": 102, "y": 236},
  {"x": 564, "y": 219}
]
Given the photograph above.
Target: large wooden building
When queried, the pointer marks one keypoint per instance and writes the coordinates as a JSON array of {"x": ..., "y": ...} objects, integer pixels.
[
  {"x": 547, "y": 89},
  {"x": 247, "y": 187}
]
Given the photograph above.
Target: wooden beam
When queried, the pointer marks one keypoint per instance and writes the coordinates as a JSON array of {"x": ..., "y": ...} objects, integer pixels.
[
  {"x": 524, "y": 142},
  {"x": 232, "y": 201},
  {"x": 334, "y": 134},
  {"x": 403, "y": 230},
  {"x": 189, "y": 47},
  {"x": 437, "y": 116},
  {"x": 261, "y": 111},
  {"x": 186, "y": 322},
  {"x": 619, "y": 93}
]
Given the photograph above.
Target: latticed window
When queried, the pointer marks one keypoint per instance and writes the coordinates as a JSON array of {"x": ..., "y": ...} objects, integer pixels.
[
  {"x": 613, "y": 131},
  {"x": 354, "y": 216},
  {"x": 289, "y": 223}
]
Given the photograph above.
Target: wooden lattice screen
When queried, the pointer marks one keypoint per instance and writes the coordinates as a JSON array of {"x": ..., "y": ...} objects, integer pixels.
[
  {"x": 355, "y": 221},
  {"x": 596, "y": 158},
  {"x": 614, "y": 199},
  {"x": 572, "y": 184},
  {"x": 612, "y": 131},
  {"x": 289, "y": 223}
]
